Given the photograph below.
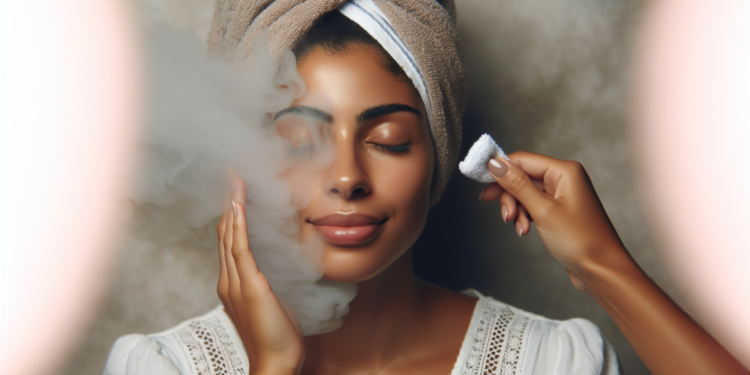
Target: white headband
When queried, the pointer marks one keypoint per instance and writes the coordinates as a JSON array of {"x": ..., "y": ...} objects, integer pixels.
[{"x": 368, "y": 16}]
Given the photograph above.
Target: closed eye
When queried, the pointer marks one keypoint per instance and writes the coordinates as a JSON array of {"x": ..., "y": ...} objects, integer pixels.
[
  {"x": 300, "y": 150},
  {"x": 397, "y": 148}
]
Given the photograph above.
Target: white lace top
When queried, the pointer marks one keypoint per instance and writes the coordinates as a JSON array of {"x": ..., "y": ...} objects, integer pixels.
[{"x": 501, "y": 340}]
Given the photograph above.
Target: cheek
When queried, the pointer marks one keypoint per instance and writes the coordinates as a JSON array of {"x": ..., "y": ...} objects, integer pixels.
[
  {"x": 304, "y": 186},
  {"x": 405, "y": 186}
]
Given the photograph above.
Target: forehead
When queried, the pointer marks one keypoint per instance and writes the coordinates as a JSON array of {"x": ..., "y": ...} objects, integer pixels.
[{"x": 353, "y": 79}]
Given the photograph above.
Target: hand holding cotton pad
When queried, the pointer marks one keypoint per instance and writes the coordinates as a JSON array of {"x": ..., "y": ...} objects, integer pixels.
[{"x": 474, "y": 165}]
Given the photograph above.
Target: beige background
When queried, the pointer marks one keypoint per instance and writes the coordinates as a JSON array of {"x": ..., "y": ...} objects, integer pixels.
[{"x": 548, "y": 76}]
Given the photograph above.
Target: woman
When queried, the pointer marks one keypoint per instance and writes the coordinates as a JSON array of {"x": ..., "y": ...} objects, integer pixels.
[{"x": 396, "y": 129}]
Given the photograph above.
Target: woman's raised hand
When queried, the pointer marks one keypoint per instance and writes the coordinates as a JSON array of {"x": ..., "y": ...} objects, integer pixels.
[
  {"x": 269, "y": 332},
  {"x": 558, "y": 196}
]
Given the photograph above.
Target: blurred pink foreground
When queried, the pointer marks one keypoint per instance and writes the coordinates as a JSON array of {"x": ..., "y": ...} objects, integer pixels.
[
  {"x": 69, "y": 109},
  {"x": 692, "y": 132}
]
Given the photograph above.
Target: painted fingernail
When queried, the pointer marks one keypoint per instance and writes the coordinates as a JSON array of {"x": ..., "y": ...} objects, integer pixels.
[
  {"x": 519, "y": 228},
  {"x": 497, "y": 168},
  {"x": 234, "y": 208},
  {"x": 482, "y": 193},
  {"x": 504, "y": 211}
]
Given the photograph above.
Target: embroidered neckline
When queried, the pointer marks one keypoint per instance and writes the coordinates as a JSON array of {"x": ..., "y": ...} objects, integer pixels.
[
  {"x": 498, "y": 341},
  {"x": 209, "y": 348}
]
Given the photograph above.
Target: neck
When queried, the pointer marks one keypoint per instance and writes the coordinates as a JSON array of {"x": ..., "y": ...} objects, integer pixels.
[
  {"x": 383, "y": 304},
  {"x": 396, "y": 288}
]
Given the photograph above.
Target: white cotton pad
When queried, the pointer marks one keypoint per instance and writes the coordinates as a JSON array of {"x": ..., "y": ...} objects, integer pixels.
[{"x": 474, "y": 165}]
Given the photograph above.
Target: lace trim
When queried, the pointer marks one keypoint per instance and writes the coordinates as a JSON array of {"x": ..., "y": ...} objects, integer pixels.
[
  {"x": 498, "y": 346},
  {"x": 210, "y": 348}
]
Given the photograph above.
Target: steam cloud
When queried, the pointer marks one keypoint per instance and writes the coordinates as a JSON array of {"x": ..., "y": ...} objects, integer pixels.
[{"x": 207, "y": 116}]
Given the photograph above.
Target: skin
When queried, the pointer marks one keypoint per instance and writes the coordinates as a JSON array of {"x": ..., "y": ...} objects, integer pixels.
[
  {"x": 398, "y": 324},
  {"x": 391, "y": 323},
  {"x": 574, "y": 227}
]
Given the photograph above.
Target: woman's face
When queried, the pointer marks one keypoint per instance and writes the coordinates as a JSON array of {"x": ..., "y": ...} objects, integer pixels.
[{"x": 370, "y": 204}]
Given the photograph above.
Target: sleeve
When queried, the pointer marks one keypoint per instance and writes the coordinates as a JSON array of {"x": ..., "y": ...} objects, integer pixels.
[
  {"x": 573, "y": 347},
  {"x": 138, "y": 355}
]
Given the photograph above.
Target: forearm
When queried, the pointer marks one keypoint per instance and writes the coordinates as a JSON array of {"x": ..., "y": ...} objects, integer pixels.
[{"x": 665, "y": 337}]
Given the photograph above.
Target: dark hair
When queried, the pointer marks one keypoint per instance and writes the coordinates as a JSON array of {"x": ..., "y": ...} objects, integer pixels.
[{"x": 335, "y": 33}]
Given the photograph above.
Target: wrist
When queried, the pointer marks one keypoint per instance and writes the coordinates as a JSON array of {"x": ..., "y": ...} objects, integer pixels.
[{"x": 608, "y": 266}]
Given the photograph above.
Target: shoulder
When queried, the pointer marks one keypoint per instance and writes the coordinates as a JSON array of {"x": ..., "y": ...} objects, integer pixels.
[
  {"x": 138, "y": 354},
  {"x": 188, "y": 348},
  {"x": 517, "y": 341}
]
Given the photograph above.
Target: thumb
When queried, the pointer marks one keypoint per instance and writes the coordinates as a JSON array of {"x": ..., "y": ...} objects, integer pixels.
[{"x": 516, "y": 182}]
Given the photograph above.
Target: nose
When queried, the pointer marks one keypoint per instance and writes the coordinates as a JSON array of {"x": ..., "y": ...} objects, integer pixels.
[{"x": 347, "y": 180}]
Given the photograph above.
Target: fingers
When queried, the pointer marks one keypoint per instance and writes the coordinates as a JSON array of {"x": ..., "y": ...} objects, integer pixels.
[
  {"x": 516, "y": 182},
  {"x": 510, "y": 210},
  {"x": 237, "y": 264},
  {"x": 232, "y": 275},
  {"x": 490, "y": 192},
  {"x": 247, "y": 269},
  {"x": 235, "y": 236},
  {"x": 223, "y": 285},
  {"x": 523, "y": 225},
  {"x": 522, "y": 187},
  {"x": 535, "y": 165},
  {"x": 507, "y": 202},
  {"x": 546, "y": 171},
  {"x": 239, "y": 189}
]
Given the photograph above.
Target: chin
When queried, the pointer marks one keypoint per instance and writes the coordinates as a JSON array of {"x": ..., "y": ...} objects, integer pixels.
[
  {"x": 354, "y": 264},
  {"x": 357, "y": 264}
]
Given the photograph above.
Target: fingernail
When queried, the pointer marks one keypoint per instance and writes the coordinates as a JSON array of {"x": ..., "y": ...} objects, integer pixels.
[
  {"x": 519, "y": 228},
  {"x": 234, "y": 208},
  {"x": 482, "y": 193},
  {"x": 497, "y": 168},
  {"x": 504, "y": 211}
]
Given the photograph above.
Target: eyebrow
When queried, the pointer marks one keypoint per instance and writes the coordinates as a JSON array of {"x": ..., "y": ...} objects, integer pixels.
[
  {"x": 364, "y": 116},
  {"x": 306, "y": 111},
  {"x": 385, "y": 109}
]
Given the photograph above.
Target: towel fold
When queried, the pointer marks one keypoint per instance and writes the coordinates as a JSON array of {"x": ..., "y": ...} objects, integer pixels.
[
  {"x": 474, "y": 165},
  {"x": 423, "y": 30}
]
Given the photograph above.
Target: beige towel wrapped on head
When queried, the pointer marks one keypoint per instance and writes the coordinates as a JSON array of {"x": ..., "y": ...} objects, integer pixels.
[{"x": 420, "y": 32}]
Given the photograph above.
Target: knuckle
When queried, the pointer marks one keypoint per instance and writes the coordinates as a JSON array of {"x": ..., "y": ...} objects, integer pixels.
[
  {"x": 508, "y": 199},
  {"x": 546, "y": 209},
  {"x": 261, "y": 284},
  {"x": 516, "y": 181},
  {"x": 236, "y": 252},
  {"x": 574, "y": 167},
  {"x": 256, "y": 286},
  {"x": 260, "y": 290},
  {"x": 221, "y": 290}
]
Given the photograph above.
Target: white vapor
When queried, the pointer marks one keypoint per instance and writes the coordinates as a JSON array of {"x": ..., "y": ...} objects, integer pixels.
[{"x": 208, "y": 116}]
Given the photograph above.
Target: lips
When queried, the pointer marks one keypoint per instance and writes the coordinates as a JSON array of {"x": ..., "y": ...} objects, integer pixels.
[{"x": 348, "y": 229}]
